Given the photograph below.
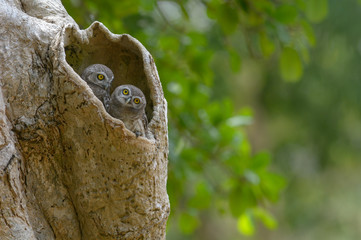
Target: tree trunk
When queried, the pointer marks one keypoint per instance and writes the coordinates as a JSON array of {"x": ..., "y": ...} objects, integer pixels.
[{"x": 68, "y": 170}]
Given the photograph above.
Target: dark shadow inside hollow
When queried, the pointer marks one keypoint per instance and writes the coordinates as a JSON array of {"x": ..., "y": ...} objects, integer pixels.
[{"x": 120, "y": 54}]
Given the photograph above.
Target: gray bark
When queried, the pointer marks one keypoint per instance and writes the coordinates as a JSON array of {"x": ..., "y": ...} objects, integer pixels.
[{"x": 68, "y": 170}]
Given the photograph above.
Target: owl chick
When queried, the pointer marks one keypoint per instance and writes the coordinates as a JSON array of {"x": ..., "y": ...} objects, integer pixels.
[
  {"x": 127, "y": 103},
  {"x": 99, "y": 78}
]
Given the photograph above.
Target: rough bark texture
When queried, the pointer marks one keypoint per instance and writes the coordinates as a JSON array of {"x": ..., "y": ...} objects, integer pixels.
[{"x": 68, "y": 170}]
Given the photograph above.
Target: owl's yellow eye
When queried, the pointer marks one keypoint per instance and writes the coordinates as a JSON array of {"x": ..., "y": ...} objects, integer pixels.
[
  {"x": 136, "y": 100},
  {"x": 100, "y": 76},
  {"x": 125, "y": 91}
]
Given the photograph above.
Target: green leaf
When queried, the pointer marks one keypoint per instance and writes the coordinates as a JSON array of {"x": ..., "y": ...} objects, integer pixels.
[
  {"x": 184, "y": 10},
  {"x": 268, "y": 220},
  {"x": 226, "y": 15},
  {"x": 240, "y": 199},
  {"x": 264, "y": 6},
  {"x": 235, "y": 60},
  {"x": 245, "y": 225},
  {"x": 267, "y": 46},
  {"x": 124, "y": 8},
  {"x": 236, "y": 203},
  {"x": 197, "y": 39},
  {"x": 271, "y": 185},
  {"x": 245, "y": 148},
  {"x": 307, "y": 28},
  {"x": 212, "y": 7},
  {"x": 305, "y": 54},
  {"x": 168, "y": 43},
  {"x": 260, "y": 161},
  {"x": 147, "y": 5},
  {"x": 254, "y": 19},
  {"x": 188, "y": 223},
  {"x": 316, "y": 10},
  {"x": 300, "y": 4},
  {"x": 283, "y": 34},
  {"x": 244, "y": 5},
  {"x": 251, "y": 177},
  {"x": 202, "y": 197},
  {"x": 236, "y": 163},
  {"x": 285, "y": 14},
  {"x": 228, "y": 18},
  {"x": 290, "y": 65}
]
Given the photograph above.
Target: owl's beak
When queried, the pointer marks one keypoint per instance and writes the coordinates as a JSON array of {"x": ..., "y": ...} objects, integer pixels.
[{"x": 128, "y": 100}]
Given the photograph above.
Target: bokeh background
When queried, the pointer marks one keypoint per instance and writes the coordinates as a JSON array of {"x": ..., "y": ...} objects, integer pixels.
[{"x": 264, "y": 112}]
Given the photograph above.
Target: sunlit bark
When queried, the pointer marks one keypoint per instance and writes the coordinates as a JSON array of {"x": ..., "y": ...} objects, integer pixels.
[{"x": 68, "y": 170}]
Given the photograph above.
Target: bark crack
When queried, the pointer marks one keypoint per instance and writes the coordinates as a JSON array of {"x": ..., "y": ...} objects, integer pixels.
[
  {"x": 22, "y": 6},
  {"x": 5, "y": 219},
  {"x": 9, "y": 162}
]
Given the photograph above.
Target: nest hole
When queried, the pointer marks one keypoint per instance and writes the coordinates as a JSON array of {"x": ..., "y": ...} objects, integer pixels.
[{"x": 118, "y": 52}]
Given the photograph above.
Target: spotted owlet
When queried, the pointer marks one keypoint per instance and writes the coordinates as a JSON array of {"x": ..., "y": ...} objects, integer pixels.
[
  {"x": 99, "y": 78},
  {"x": 127, "y": 103}
]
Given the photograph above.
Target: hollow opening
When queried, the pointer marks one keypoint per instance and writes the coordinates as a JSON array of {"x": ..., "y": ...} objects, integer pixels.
[{"x": 118, "y": 52}]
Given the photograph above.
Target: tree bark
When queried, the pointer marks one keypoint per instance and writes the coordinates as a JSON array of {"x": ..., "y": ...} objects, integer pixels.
[{"x": 68, "y": 170}]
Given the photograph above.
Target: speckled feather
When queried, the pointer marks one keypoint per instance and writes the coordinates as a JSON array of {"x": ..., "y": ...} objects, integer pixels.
[
  {"x": 101, "y": 89},
  {"x": 132, "y": 115}
]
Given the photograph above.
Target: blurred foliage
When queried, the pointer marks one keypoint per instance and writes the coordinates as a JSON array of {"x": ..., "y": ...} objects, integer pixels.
[
  {"x": 315, "y": 129},
  {"x": 198, "y": 45}
]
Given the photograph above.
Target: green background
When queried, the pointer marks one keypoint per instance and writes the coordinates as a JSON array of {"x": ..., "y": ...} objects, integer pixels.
[{"x": 264, "y": 112}]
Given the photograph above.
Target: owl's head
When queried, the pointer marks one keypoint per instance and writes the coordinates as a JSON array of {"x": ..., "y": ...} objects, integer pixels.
[
  {"x": 129, "y": 96},
  {"x": 99, "y": 75}
]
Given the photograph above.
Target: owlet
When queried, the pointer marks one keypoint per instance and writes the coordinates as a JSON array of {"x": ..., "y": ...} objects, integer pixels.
[
  {"x": 127, "y": 103},
  {"x": 99, "y": 78}
]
